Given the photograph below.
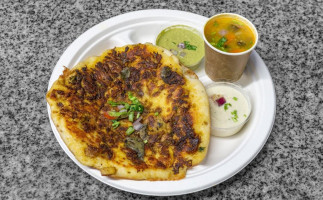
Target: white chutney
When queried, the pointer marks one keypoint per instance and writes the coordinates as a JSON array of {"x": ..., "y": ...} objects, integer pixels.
[{"x": 229, "y": 118}]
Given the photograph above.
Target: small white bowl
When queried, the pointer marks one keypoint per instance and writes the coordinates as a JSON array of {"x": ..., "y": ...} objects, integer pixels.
[{"x": 222, "y": 131}]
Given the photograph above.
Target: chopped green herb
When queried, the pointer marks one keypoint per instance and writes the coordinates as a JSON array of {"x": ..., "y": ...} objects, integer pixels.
[
  {"x": 174, "y": 43},
  {"x": 201, "y": 149},
  {"x": 128, "y": 111},
  {"x": 140, "y": 108},
  {"x": 136, "y": 105},
  {"x": 126, "y": 106},
  {"x": 235, "y": 98},
  {"x": 132, "y": 107},
  {"x": 245, "y": 115},
  {"x": 156, "y": 113},
  {"x": 234, "y": 116},
  {"x": 220, "y": 44},
  {"x": 188, "y": 46},
  {"x": 115, "y": 124},
  {"x": 131, "y": 116},
  {"x": 116, "y": 114},
  {"x": 130, "y": 130},
  {"x": 215, "y": 23},
  {"x": 145, "y": 141},
  {"x": 226, "y": 106},
  {"x": 234, "y": 119},
  {"x": 133, "y": 99},
  {"x": 112, "y": 103}
]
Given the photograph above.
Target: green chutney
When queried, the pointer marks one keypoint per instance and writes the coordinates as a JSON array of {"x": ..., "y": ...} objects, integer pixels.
[{"x": 184, "y": 42}]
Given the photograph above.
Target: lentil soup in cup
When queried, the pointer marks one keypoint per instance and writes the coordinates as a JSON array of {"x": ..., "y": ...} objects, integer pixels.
[{"x": 229, "y": 40}]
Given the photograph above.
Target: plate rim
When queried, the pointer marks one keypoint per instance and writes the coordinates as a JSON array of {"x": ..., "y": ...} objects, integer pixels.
[{"x": 147, "y": 13}]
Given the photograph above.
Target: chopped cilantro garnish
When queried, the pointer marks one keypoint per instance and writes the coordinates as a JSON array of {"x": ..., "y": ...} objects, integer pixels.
[
  {"x": 226, "y": 106},
  {"x": 215, "y": 23},
  {"x": 220, "y": 44},
  {"x": 156, "y": 113},
  {"x": 234, "y": 119},
  {"x": 130, "y": 130},
  {"x": 129, "y": 110},
  {"x": 126, "y": 106},
  {"x": 133, "y": 99},
  {"x": 132, "y": 107},
  {"x": 201, "y": 149},
  {"x": 140, "y": 108},
  {"x": 235, "y": 98},
  {"x": 188, "y": 46},
  {"x": 115, "y": 124},
  {"x": 234, "y": 116},
  {"x": 145, "y": 141},
  {"x": 136, "y": 107}
]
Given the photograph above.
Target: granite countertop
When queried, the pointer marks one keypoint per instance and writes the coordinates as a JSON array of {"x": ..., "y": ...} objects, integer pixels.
[{"x": 33, "y": 36}]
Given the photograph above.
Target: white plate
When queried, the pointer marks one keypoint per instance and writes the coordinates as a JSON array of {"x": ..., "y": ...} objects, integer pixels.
[{"x": 226, "y": 156}]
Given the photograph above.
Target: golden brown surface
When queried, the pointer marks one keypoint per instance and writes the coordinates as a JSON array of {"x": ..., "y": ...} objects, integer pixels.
[{"x": 175, "y": 139}]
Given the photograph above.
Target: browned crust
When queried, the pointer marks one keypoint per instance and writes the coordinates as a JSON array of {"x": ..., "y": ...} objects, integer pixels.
[{"x": 77, "y": 113}]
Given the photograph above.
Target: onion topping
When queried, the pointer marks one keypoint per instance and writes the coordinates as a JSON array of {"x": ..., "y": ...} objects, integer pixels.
[
  {"x": 181, "y": 45},
  {"x": 221, "y": 101},
  {"x": 120, "y": 107},
  {"x": 223, "y": 32},
  {"x": 137, "y": 125},
  {"x": 123, "y": 110}
]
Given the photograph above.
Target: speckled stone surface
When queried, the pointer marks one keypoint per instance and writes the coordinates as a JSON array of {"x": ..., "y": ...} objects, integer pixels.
[{"x": 33, "y": 36}]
